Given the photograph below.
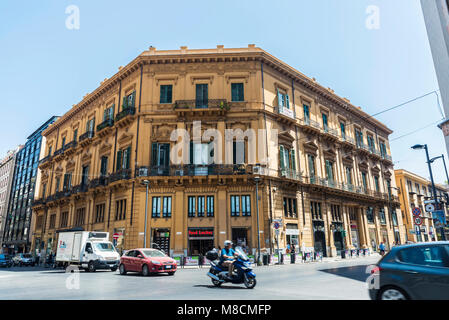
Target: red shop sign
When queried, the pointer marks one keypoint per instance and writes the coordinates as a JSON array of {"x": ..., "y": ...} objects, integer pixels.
[{"x": 201, "y": 233}]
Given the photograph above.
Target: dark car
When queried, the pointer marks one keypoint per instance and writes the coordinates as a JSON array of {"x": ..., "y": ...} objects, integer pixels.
[
  {"x": 5, "y": 261},
  {"x": 412, "y": 272}
]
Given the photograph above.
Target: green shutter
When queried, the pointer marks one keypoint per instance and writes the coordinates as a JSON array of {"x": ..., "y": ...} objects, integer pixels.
[
  {"x": 125, "y": 103},
  {"x": 293, "y": 160},
  {"x": 154, "y": 154},
  {"x": 281, "y": 154},
  {"x": 119, "y": 160},
  {"x": 128, "y": 157},
  {"x": 133, "y": 96},
  {"x": 287, "y": 99},
  {"x": 280, "y": 104}
]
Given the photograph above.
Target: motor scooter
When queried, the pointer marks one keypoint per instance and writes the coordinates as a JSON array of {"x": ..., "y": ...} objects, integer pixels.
[{"x": 242, "y": 268}]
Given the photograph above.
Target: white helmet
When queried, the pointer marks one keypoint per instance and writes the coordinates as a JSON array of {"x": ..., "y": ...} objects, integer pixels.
[{"x": 227, "y": 242}]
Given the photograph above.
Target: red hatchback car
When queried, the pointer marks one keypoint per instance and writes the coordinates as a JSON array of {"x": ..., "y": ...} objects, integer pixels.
[{"x": 147, "y": 261}]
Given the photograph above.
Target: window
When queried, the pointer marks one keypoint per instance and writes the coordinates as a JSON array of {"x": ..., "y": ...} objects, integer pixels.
[
  {"x": 417, "y": 188},
  {"x": 329, "y": 171},
  {"x": 235, "y": 206},
  {"x": 52, "y": 221},
  {"x": 325, "y": 122},
  {"x": 290, "y": 207},
  {"x": 166, "y": 93},
  {"x": 201, "y": 95},
  {"x": 376, "y": 183},
  {"x": 306, "y": 113},
  {"x": 283, "y": 100},
  {"x": 364, "y": 181},
  {"x": 85, "y": 175},
  {"x": 99, "y": 213},
  {"x": 192, "y": 206},
  {"x": 160, "y": 154},
  {"x": 67, "y": 181},
  {"x": 349, "y": 175},
  {"x": 432, "y": 256},
  {"x": 166, "y": 207},
  {"x": 129, "y": 100},
  {"x": 371, "y": 144},
  {"x": 104, "y": 166},
  {"x": 238, "y": 152},
  {"x": 39, "y": 222},
  {"x": 394, "y": 218},
  {"x": 108, "y": 113},
  {"x": 382, "y": 218},
  {"x": 315, "y": 209},
  {"x": 156, "y": 212},
  {"x": 63, "y": 142},
  {"x": 383, "y": 148},
  {"x": 311, "y": 160},
  {"x": 370, "y": 215},
  {"x": 120, "y": 209},
  {"x": 335, "y": 213},
  {"x": 343, "y": 130},
  {"x": 246, "y": 206},
  {"x": 201, "y": 206},
  {"x": 90, "y": 125},
  {"x": 123, "y": 159},
  {"x": 64, "y": 219},
  {"x": 210, "y": 206},
  {"x": 237, "y": 92},
  {"x": 359, "y": 137},
  {"x": 79, "y": 217},
  {"x": 75, "y": 134}
]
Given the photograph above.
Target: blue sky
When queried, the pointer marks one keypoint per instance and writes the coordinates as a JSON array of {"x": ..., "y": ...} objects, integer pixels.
[{"x": 46, "y": 68}]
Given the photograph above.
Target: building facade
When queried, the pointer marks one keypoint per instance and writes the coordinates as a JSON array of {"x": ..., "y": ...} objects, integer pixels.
[
  {"x": 436, "y": 18},
  {"x": 414, "y": 191},
  {"x": 17, "y": 230},
  {"x": 6, "y": 176},
  {"x": 272, "y": 145}
]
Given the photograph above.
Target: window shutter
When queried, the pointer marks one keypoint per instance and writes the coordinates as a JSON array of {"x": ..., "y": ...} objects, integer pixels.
[
  {"x": 128, "y": 157},
  {"x": 105, "y": 114},
  {"x": 133, "y": 99},
  {"x": 281, "y": 154},
  {"x": 125, "y": 103},
  {"x": 280, "y": 102},
  {"x": 119, "y": 160},
  {"x": 287, "y": 98},
  {"x": 154, "y": 154},
  {"x": 191, "y": 152},
  {"x": 293, "y": 159}
]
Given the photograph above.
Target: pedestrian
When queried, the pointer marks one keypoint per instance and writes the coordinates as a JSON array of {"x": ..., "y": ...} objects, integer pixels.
[{"x": 382, "y": 248}]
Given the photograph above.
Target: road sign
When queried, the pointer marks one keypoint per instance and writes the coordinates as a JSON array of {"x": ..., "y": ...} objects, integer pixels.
[
  {"x": 276, "y": 225},
  {"x": 416, "y": 211},
  {"x": 116, "y": 235},
  {"x": 430, "y": 207},
  {"x": 418, "y": 221}
]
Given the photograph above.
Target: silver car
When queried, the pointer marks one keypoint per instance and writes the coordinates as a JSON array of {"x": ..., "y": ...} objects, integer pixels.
[
  {"x": 413, "y": 271},
  {"x": 23, "y": 259}
]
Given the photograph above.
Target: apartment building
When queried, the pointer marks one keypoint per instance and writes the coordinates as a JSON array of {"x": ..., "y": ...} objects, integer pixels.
[{"x": 319, "y": 165}]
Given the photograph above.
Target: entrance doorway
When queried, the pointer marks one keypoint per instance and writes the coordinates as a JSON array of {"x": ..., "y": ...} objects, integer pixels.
[
  {"x": 338, "y": 237},
  {"x": 201, "y": 240},
  {"x": 240, "y": 236},
  {"x": 161, "y": 240},
  {"x": 319, "y": 237}
]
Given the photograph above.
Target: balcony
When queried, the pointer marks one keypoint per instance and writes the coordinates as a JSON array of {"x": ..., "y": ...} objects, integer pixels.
[
  {"x": 123, "y": 174},
  {"x": 39, "y": 202},
  {"x": 287, "y": 116},
  {"x": 45, "y": 162},
  {"x": 125, "y": 117},
  {"x": 310, "y": 126},
  {"x": 81, "y": 188},
  {"x": 86, "y": 138},
  {"x": 99, "y": 182},
  {"x": 290, "y": 174},
  {"x": 192, "y": 170},
  {"x": 363, "y": 147},
  {"x": 330, "y": 133},
  {"x": 387, "y": 158},
  {"x": 207, "y": 107},
  {"x": 374, "y": 152}
]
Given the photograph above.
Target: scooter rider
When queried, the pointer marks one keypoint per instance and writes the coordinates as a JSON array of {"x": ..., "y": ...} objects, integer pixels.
[{"x": 227, "y": 257}]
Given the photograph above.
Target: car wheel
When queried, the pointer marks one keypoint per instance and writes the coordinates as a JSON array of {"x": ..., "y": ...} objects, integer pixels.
[
  {"x": 171, "y": 273},
  {"x": 91, "y": 266},
  {"x": 392, "y": 293},
  {"x": 113, "y": 269},
  {"x": 145, "y": 271},
  {"x": 122, "y": 269}
]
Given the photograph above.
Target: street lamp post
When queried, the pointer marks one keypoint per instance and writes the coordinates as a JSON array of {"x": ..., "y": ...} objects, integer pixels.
[
  {"x": 145, "y": 183},
  {"x": 257, "y": 180},
  {"x": 424, "y": 146},
  {"x": 444, "y": 162}
]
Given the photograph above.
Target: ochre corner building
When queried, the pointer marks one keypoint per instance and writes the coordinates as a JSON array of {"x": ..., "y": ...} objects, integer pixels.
[{"x": 329, "y": 181}]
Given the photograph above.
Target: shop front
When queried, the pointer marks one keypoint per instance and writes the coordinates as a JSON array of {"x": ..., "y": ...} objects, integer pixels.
[
  {"x": 397, "y": 236},
  {"x": 319, "y": 237},
  {"x": 240, "y": 237},
  {"x": 384, "y": 235},
  {"x": 373, "y": 238},
  {"x": 161, "y": 240},
  {"x": 200, "y": 241},
  {"x": 355, "y": 235},
  {"x": 292, "y": 234},
  {"x": 337, "y": 230}
]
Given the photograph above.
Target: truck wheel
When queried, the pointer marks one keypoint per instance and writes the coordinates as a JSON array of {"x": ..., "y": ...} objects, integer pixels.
[
  {"x": 145, "y": 271},
  {"x": 91, "y": 267}
]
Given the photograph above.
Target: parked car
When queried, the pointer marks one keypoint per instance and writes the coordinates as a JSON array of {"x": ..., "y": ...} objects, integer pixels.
[
  {"x": 413, "y": 271},
  {"x": 23, "y": 259},
  {"x": 5, "y": 260},
  {"x": 147, "y": 261}
]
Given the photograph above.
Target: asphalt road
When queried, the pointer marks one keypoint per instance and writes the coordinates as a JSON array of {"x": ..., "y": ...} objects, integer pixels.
[{"x": 343, "y": 280}]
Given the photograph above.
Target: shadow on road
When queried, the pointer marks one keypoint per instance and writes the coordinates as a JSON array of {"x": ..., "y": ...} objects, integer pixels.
[
  {"x": 214, "y": 287},
  {"x": 354, "y": 272}
]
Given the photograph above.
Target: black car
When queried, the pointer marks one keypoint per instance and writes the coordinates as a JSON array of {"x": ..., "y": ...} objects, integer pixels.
[
  {"x": 5, "y": 261},
  {"x": 414, "y": 271}
]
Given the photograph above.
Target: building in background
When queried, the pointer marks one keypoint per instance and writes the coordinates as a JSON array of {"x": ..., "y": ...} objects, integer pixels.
[
  {"x": 414, "y": 191},
  {"x": 436, "y": 17},
  {"x": 328, "y": 180},
  {"x": 6, "y": 176},
  {"x": 17, "y": 233}
]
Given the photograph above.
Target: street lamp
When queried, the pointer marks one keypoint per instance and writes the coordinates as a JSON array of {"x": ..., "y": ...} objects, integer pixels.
[
  {"x": 424, "y": 146},
  {"x": 257, "y": 180},
  {"x": 147, "y": 184},
  {"x": 444, "y": 162}
]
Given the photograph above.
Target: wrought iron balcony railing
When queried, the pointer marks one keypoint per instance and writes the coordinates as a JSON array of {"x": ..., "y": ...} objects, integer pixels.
[
  {"x": 124, "y": 113},
  {"x": 87, "y": 135},
  {"x": 311, "y": 123},
  {"x": 192, "y": 170},
  {"x": 80, "y": 188},
  {"x": 106, "y": 123},
  {"x": 98, "y": 182},
  {"x": 221, "y": 104},
  {"x": 123, "y": 174},
  {"x": 286, "y": 112},
  {"x": 45, "y": 159}
]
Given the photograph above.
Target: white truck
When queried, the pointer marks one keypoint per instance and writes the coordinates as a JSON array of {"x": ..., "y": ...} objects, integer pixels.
[{"x": 88, "y": 249}]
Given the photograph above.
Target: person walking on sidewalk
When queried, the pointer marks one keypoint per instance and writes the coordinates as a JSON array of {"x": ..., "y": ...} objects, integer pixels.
[{"x": 382, "y": 249}]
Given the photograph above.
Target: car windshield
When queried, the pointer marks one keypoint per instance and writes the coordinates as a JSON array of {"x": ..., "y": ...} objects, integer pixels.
[
  {"x": 27, "y": 255},
  {"x": 241, "y": 253},
  {"x": 153, "y": 253},
  {"x": 104, "y": 246}
]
